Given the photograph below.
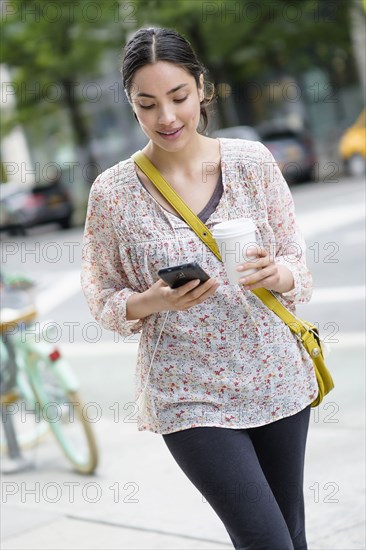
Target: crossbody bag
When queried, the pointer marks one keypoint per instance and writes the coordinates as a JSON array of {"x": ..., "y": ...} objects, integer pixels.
[{"x": 306, "y": 332}]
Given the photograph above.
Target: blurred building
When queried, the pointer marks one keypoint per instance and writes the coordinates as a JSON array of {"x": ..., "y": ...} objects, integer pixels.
[
  {"x": 14, "y": 149},
  {"x": 114, "y": 130}
]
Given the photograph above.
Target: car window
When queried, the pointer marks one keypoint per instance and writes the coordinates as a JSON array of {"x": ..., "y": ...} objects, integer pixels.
[
  {"x": 16, "y": 200},
  {"x": 46, "y": 189},
  {"x": 279, "y": 135}
]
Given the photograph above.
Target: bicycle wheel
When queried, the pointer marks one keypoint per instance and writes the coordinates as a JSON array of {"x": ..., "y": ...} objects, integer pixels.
[
  {"x": 18, "y": 402},
  {"x": 63, "y": 409}
]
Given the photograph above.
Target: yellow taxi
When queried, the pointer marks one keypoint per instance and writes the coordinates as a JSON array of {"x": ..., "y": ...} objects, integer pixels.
[{"x": 352, "y": 146}]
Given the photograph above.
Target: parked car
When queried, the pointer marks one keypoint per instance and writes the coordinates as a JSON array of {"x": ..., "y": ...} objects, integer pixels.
[
  {"x": 22, "y": 207},
  {"x": 293, "y": 149},
  {"x": 237, "y": 132},
  {"x": 352, "y": 146}
]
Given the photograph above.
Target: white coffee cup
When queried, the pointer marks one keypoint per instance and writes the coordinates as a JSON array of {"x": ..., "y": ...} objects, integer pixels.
[{"x": 234, "y": 238}]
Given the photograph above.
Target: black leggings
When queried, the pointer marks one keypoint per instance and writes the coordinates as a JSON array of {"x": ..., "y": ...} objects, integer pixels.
[{"x": 252, "y": 478}]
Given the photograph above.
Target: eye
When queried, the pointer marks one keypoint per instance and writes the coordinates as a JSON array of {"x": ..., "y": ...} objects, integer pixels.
[
  {"x": 146, "y": 106},
  {"x": 180, "y": 100}
]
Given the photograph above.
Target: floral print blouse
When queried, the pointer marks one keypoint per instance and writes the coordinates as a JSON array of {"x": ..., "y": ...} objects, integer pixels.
[{"x": 228, "y": 361}]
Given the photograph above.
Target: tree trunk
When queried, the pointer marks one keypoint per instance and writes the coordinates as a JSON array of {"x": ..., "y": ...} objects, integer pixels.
[{"x": 89, "y": 166}]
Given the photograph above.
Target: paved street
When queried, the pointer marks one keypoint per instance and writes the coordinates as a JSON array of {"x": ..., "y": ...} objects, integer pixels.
[{"x": 138, "y": 498}]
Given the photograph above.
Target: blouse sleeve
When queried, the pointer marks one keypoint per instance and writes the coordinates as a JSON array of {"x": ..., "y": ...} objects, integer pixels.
[
  {"x": 103, "y": 279},
  {"x": 290, "y": 247}
]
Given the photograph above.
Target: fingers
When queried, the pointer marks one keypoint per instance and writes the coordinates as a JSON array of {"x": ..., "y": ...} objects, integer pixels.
[
  {"x": 184, "y": 289},
  {"x": 256, "y": 251},
  {"x": 259, "y": 258},
  {"x": 204, "y": 288},
  {"x": 185, "y": 296},
  {"x": 257, "y": 263},
  {"x": 266, "y": 278},
  {"x": 258, "y": 275},
  {"x": 199, "y": 295},
  {"x": 268, "y": 283}
]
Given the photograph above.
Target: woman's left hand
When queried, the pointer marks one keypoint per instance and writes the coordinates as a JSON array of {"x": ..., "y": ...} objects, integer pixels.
[{"x": 270, "y": 275}]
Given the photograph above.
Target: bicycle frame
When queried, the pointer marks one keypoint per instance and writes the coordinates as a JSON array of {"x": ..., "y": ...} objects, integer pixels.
[
  {"x": 31, "y": 347},
  {"x": 37, "y": 359}
]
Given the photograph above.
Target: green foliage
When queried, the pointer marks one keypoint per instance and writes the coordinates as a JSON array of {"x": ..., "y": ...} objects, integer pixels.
[
  {"x": 53, "y": 47},
  {"x": 50, "y": 46},
  {"x": 3, "y": 174},
  {"x": 245, "y": 39}
]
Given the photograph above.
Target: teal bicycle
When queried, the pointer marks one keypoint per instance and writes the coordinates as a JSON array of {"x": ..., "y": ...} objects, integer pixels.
[{"x": 39, "y": 390}]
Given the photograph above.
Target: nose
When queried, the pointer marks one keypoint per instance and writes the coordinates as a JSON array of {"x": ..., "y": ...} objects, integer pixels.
[{"x": 166, "y": 115}]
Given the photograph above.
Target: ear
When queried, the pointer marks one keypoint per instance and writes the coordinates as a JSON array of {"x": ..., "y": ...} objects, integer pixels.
[{"x": 201, "y": 91}]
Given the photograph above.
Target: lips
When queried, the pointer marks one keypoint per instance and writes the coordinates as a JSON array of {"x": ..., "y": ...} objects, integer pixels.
[{"x": 171, "y": 134}]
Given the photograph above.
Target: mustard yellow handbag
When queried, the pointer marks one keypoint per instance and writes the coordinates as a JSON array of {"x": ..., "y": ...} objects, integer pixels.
[{"x": 306, "y": 332}]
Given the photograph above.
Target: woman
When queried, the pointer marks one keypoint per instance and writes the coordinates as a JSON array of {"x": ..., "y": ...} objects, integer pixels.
[{"x": 227, "y": 385}]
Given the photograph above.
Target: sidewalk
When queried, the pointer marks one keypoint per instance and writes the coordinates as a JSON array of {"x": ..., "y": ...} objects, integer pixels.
[{"x": 139, "y": 498}]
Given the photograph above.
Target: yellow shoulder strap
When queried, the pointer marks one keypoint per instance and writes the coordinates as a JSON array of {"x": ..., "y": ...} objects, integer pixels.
[
  {"x": 206, "y": 236},
  {"x": 168, "y": 192}
]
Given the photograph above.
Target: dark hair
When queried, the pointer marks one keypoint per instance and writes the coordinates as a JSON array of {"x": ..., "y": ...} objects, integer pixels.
[{"x": 149, "y": 45}]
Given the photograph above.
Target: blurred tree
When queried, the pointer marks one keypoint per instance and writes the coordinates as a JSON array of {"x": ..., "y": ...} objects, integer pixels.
[
  {"x": 3, "y": 174},
  {"x": 52, "y": 50},
  {"x": 239, "y": 41},
  {"x": 358, "y": 18}
]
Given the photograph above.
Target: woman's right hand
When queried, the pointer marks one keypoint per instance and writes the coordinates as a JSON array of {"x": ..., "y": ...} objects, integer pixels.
[{"x": 190, "y": 294}]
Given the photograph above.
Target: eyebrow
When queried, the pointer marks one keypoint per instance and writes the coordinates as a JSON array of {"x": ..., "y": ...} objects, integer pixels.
[{"x": 141, "y": 94}]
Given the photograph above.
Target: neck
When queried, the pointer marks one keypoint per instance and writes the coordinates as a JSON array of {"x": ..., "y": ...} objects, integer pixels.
[{"x": 172, "y": 161}]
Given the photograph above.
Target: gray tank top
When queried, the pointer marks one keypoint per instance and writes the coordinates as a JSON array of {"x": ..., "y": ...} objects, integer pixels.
[{"x": 212, "y": 203}]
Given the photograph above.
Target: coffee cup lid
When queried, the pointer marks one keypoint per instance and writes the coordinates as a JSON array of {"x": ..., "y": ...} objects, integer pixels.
[{"x": 233, "y": 228}]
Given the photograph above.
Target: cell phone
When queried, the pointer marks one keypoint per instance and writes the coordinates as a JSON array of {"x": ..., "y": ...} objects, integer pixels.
[{"x": 178, "y": 275}]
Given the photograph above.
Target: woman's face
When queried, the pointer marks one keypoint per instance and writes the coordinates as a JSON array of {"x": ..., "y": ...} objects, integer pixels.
[{"x": 166, "y": 101}]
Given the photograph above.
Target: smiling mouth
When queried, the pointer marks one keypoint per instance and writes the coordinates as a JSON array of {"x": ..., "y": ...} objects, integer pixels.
[{"x": 171, "y": 132}]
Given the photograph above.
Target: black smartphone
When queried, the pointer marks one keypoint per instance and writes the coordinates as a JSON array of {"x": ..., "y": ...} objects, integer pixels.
[{"x": 179, "y": 275}]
